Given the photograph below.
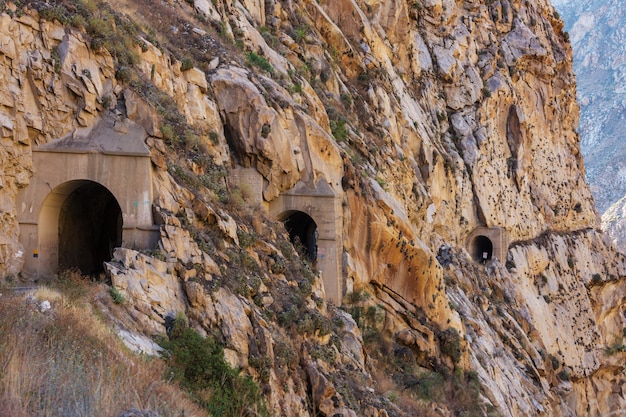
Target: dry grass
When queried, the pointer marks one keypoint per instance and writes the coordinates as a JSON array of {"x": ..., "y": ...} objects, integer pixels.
[
  {"x": 400, "y": 396},
  {"x": 67, "y": 362}
]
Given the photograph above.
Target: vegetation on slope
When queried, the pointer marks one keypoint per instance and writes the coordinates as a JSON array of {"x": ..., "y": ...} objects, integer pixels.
[
  {"x": 411, "y": 388},
  {"x": 66, "y": 361}
]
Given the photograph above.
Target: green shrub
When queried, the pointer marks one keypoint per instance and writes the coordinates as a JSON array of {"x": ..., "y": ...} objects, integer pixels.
[
  {"x": 56, "y": 60},
  {"x": 259, "y": 61},
  {"x": 214, "y": 137},
  {"x": 198, "y": 364},
  {"x": 118, "y": 297},
  {"x": 123, "y": 74},
  {"x": 246, "y": 239},
  {"x": 186, "y": 64},
  {"x": 450, "y": 344},
  {"x": 564, "y": 375},
  {"x": 339, "y": 129}
]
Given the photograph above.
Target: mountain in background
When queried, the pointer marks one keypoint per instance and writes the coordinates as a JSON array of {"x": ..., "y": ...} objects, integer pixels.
[{"x": 598, "y": 35}]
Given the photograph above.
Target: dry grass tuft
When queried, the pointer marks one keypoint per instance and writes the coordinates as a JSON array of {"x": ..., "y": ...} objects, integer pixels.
[{"x": 67, "y": 362}]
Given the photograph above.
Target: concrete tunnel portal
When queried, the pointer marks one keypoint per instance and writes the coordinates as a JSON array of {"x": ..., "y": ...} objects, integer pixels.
[
  {"x": 482, "y": 248},
  {"x": 487, "y": 243},
  {"x": 302, "y": 231},
  {"x": 91, "y": 191},
  {"x": 89, "y": 226}
]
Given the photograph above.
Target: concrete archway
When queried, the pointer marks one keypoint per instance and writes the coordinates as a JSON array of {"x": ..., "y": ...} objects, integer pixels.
[
  {"x": 90, "y": 191},
  {"x": 302, "y": 231},
  {"x": 489, "y": 241},
  {"x": 89, "y": 225},
  {"x": 321, "y": 204},
  {"x": 481, "y": 248}
]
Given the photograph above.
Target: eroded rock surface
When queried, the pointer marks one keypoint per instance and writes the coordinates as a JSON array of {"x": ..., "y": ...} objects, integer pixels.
[{"x": 427, "y": 119}]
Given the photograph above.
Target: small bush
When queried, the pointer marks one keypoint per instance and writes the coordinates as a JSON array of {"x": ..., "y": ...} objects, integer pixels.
[
  {"x": 123, "y": 74},
  {"x": 259, "y": 61},
  {"x": 198, "y": 364},
  {"x": 450, "y": 344},
  {"x": 106, "y": 101},
  {"x": 300, "y": 33},
  {"x": 56, "y": 60},
  {"x": 214, "y": 137},
  {"x": 186, "y": 64},
  {"x": 339, "y": 129},
  {"x": 346, "y": 98},
  {"x": 118, "y": 297},
  {"x": 564, "y": 375},
  {"x": 246, "y": 239}
]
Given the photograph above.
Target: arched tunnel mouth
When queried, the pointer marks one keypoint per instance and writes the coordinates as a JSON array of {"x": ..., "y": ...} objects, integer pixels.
[
  {"x": 90, "y": 227},
  {"x": 302, "y": 231},
  {"x": 482, "y": 249}
]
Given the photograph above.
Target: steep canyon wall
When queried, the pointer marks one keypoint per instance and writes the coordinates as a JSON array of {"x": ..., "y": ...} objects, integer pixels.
[{"x": 426, "y": 119}]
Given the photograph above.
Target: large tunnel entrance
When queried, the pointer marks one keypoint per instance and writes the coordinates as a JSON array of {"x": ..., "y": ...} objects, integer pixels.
[
  {"x": 89, "y": 227},
  {"x": 302, "y": 231},
  {"x": 482, "y": 248}
]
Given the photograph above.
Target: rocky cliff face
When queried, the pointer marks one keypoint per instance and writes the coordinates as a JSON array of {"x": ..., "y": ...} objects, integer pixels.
[
  {"x": 597, "y": 34},
  {"x": 427, "y": 119},
  {"x": 597, "y": 31},
  {"x": 614, "y": 223}
]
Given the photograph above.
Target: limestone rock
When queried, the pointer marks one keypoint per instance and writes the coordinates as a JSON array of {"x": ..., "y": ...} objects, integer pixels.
[
  {"x": 156, "y": 292},
  {"x": 426, "y": 124},
  {"x": 234, "y": 323},
  {"x": 326, "y": 398}
]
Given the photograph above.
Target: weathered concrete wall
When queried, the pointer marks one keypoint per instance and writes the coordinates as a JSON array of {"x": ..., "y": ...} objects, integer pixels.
[
  {"x": 498, "y": 238},
  {"x": 111, "y": 153},
  {"x": 323, "y": 205}
]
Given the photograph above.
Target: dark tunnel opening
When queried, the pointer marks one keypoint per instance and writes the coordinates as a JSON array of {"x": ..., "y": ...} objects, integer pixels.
[
  {"x": 90, "y": 227},
  {"x": 302, "y": 232},
  {"x": 482, "y": 249}
]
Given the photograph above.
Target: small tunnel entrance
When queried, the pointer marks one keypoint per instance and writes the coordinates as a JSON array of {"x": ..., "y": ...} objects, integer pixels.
[
  {"x": 302, "y": 231},
  {"x": 482, "y": 249},
  {"x": 90, "y": 226}
]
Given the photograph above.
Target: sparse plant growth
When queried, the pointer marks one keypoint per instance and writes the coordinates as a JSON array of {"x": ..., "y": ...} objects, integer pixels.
[
  {"x": 615, "y": 348},
  {"x": 116, "y": 295},
  {"x": 300, "y": 33},
  {"x": 259, "y": 61},
  {"x": 68, "y": 362},
  {"x": 346, "y": 98},
  {"x": 450, "y": 344},
  {"x": 186, "y": 64},
  {"x": 564, "y": 375},
  {"x": 123, "y": 74},
  {"x": 106, "y": 101},
  {"x": 382, "y": 183},
  {"x": 339, "y": 129},
  {"x": 214, "y": 137},
  {"x": 413, "y": 387},
  {"x": 198, "y": 364},
  {"x": 56, "y": 60}
]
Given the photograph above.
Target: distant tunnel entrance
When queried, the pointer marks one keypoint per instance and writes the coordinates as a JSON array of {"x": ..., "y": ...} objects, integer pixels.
[
  {"x": 302, "y": 231},
  {"x": 482, "y": 248},
  {"x": 89, "y": 226}
]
